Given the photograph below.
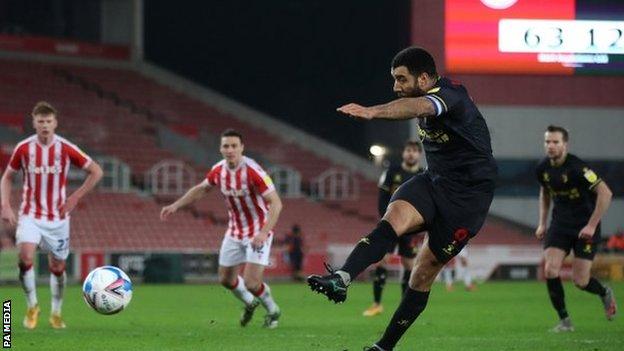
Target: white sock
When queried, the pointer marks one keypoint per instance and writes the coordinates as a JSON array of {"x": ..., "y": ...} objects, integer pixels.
[
  {"x": 57, "y": 287},
  {"x": 241, "y": 292},
  {"x": 30, "y": 288},
  {"x": 267, "y": 299},
  {"x": 447, "y": 273},
  {"x": 467, "y": 276},
  {"x": 346, "y": 277}
]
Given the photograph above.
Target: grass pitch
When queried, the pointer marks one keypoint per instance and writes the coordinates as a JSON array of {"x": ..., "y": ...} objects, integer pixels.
[{"x": 498, "y": 316}]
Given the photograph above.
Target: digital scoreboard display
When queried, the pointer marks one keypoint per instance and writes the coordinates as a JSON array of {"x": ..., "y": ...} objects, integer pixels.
[{"x": 535, "y": 36}]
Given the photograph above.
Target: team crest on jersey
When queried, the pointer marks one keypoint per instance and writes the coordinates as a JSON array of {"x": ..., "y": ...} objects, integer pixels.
[
  {"x": 564, "y": 178},
  {"x": 398, "y": 178},
  {"x": 546, "y": 177}
]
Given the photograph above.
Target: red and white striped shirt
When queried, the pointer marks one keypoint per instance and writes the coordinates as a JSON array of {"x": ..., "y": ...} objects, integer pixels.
[
  {"x": 243, "y": 188},
  {"x": 45, "y": 170}
]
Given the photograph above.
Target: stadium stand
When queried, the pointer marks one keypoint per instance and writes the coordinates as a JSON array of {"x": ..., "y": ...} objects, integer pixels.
[{"x": 117, "y": 112}]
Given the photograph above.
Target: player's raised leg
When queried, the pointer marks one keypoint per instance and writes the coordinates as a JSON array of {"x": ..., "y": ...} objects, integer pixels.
[
  {"x": 58, "y": 279},
  {"x": 231, "y": 280},
  {"x": 581, "y": 274},
  {"x": 426, "y": 269},
  {"x": 27, "y": 280},
  {"x": 262, "y": 291},
  {"x": 553, "y": 260},
  {"x": 400, "y": 218}
]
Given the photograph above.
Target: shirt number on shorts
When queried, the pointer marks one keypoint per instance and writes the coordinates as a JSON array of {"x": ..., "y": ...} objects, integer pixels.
[{"x": 62, "y": 244}]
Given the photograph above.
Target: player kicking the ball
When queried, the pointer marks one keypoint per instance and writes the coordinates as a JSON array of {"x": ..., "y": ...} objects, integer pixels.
[
  {"x": 44, "y": 160},
  {"x": 450, "y": 200},
  {"x": 253, "y": 207}
]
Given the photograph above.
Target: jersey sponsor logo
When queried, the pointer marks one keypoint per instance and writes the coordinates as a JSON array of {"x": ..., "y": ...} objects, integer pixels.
[
  {"x": 571, "y": 194},
  {"x": 236, "y": 192},
  {"x": 590, "y": 175},
  {"x": 436, "y": 136},
  {"x": 44, "y": 169}
]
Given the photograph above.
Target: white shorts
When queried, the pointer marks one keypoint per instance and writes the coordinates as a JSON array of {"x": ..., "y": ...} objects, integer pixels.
[
  {"x": 234, "y": 252},
  {"x": 51, "y": 236}
]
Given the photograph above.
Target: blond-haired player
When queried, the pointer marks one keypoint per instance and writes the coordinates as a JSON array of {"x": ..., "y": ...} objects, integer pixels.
[{"x": 43, "y": 219}]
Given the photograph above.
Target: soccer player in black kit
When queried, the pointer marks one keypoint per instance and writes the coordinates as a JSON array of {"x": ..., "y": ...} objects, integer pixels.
[
  {"x": 580, "y": 199},
  {"x": 450, "y": 200},
  {"x": 389, "y": 182}
]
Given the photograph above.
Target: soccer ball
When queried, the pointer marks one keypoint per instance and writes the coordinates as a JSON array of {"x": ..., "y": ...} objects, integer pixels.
[{"x": 107, "y": 289}]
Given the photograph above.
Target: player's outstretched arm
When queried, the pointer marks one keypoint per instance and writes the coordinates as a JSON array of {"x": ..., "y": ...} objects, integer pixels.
[
  {"x": 603, "y": 201},
  {"x": 193, "y": 194},
  {"x": 8, "y": 216},
  {"x": 94, "y": 175},
  {"x": 544, "y": 206},
  {"x": 399, "y": 109},
  {"x": 275, "y": 208}
]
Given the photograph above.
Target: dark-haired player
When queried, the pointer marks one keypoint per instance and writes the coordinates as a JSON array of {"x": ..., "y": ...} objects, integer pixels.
[
  {"x": 450, "y": 200},
  {"x": 389, "y": 182},
  {"x": 253, "y": 207},
  {"x": 580, "y": 199}
]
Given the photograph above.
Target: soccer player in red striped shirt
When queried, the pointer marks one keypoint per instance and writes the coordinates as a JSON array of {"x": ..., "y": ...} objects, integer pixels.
[
  {"x": 253, "y": 208},
  {"x": 44, "y": 160}
]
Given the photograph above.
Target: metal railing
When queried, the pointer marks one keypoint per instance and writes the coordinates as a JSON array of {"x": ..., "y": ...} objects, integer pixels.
[
  {"x": 335, "y": 184},
  {"x": 287, "y": 181},
  {"x": 169, "y": 177}
]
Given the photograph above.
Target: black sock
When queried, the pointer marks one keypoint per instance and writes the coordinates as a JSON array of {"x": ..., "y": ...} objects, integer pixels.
[
  {"x": 370, "y": 249},
  {"x": 557, "y": 297},
  {"x": 412, "y": 304},
  {"x": 405, "y": 281},
  {"x": 378, "y": 284},
  {"x": 595, "y": 287}
]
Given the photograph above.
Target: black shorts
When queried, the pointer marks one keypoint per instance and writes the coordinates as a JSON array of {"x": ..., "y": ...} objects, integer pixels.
[
  {"x": 453, "y": 212},
  {"x": 407, "y": 245},
  {"x": 567, "y": 239}
]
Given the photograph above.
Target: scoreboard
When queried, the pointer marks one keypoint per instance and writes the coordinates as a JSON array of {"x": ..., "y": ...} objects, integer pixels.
[{"x": 535, "y": 36}]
